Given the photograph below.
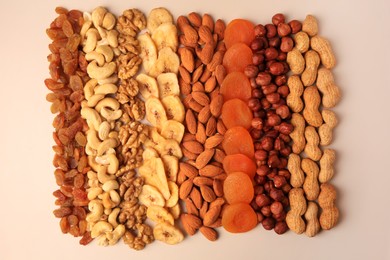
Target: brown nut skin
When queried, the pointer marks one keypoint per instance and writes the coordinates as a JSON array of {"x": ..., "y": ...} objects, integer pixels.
[
  {"x": 271, "y": 30},
  {"x": 268, "y": 223},
  {"x": 295, "y": 25},
  {"x": 283, "y": 29},
  {"x": 262, "y": 200},
  {"x": 287, "y": 44},
  {"x": 278, "y": 19},
  {"x": 276, "y": 68},
  {"x": 263, "y": 78},
  {"x": 260, "y": 30},
  {"x": 280, "y": 227}
]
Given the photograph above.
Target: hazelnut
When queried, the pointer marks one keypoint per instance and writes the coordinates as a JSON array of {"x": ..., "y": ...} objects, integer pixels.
[
  {"x": 295, "y": 25},
  {"x": 282, "y": 56},
  {"x": 268, "y": 223},
  {"x": 273, "y": 161},
  {"x": 266, "y": 211},
  {"x": 276, "y": 207},
  {"x": 257, "y": 123},
  {"x": 274, "y": 42},
  {"x": 281, "y": 216},
  {"x": 271, "y": 53},
  {"x": 287, "y": 44},
  {"x": 274, "y": 120},
  {"x": 260, "y": 180},
  {"x": 283, "y": 90},
  {"x": 281, "y": 80},
  {"x": 256, "y": 44},
  {"x": 262, "y": 200},
  {"x": 268, "y": 89},
  {"x": 271, "y": 30},
  {"x": 277, "y": 68},
  {"x": 273, "y": 98},
  {"x": 280, "y": 227},
  {"x": 261, "y": 155},
  {"x": 267, "y": 143},
  {"x": 256, "y": 93},
  {"x": 260, "y": 30},
  {"x": 251, "y": 71},
  {"x": 254, "y": 104},
  {"x": 285, "y": 128},
  {"x": 257, "y": 58},
  {"x": 263, "y": 170},
  {"x": 276, "y": 194},
  {"x": 279, "y": 181},
  {"x": 265, "y": 103},
  {"x": 283, "y": 111},
  {"x": 278, "y": 19},
  {"x": 255, "y": 134},
  {"x": 260, "y": 217},
  {"x": 283, "y": 29}
]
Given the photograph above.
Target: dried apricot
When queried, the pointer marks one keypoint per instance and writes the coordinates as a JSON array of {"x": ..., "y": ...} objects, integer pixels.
[
  {"x": 238, "y": 187},
  {"x": 236, "y": 85},
  {"x": 238, "y": 140},
  {"x": 239, "y": 163},
  {"x": 236, "y": 112},
  {"x": 237, "y": 57},
  {"x": 239, "y": 30},
  {"x": 239, "y": 218}
]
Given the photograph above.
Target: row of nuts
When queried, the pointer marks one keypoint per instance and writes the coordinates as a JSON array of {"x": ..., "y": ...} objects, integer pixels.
[
  {"x": 201, "y": 73},
  {"x": 271, "y": 116},
  {"x": 101, "y": 111},
  {"x": 68, "y": 74},
  {"x": 310, "y": 61}
]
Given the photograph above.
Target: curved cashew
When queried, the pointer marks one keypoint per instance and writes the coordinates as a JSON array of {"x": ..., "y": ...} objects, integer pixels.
[
  {"x": 110, "y": 185},
  {"x": 91, "y": 162},
  {"x": 114, "y": 134},
  {"x": 108, "y": 102},
  {"x": 94, "y": 99},
  {"x": 110, "y": 80},
  {"x": 113, "y": 216},
  {"x": 92, "y": 175},
  {"x": 94, "y": 192},
  {"x": 115, "y": 198},
  {"x": 102, "y": 175},
  {"x": 89, "y": 88},
  {"x": 110, "y": 115},
  {"x": 108, "y": 201},
  {"x": 104, "y": 130},
  {"x": 98, "y": 15},
  {"x": 92, "y": 116},
  {"x": 116, "y": 50},
  {"x": 102, "y": 32},
  {"x": 102, "y": 240},
  {"x": 106, "y": 89},
  {"x": 93, "y": 140},
  {"x": 96, "y": 211},
  {"x": 106, "y": 51},
  {"x": 107, "y": 212},
  {"x": 87, "y": 16},
  {"x": 94, "y": 55},
  {"x": 89, "y": 151},
  {"x": 112, "y": 38},
  {"x": 115, "y": 235},
  {"x": 105, "y": 71},
  {"x": 109, "y": 21},
  {"x": 113, "y": 165},
  {"x": 105, "y": 145},
  {"x": 86, "y": 26},
  {"x": 100, "y": 228},
  {"x": 92, "y": 36}
]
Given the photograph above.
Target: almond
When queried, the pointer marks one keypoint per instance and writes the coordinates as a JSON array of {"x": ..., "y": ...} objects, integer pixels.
[
  {"x": 218, "y": 202},
  {"x": 213, "y": 141},
  {"x": 201, "y": 180},
  {"x": 188, "y": 154},
  {"x": 217, "y": 223},
  {"x": 207, "y": 53},
  {"x": 190, "y": 223},
  {"x": 197, "y": 86},
  {"x": 195, "y": 19},
  {"x": 204, "y": 114},
  {"x": 183, "y": 40},
  {"x": 204, "y": 158},
  {"x": 185, "y": 188},
  {"x": 188, "y": 170},
  {"x": 208, "y": 21},
  {"x": 211, "y": 215},
  {"x": 203, "y": 209},
  {"x": 205, "y": 75},
  {"x": 219, "y": 155},
  {"x": 181, "y": 177},
  {"x": 211, "y": 126},
  {"x": 181, "y": 20},
  {"x": 216, "y": 60},
  {"x": 195, "y": 105},
  {"x": 218, "y": 188},
  {"x": 196, "y": 197},
  {"x": 210, "y": 84},
  {"x": 221, "y": 128},
  {"x": 205, "y": 34},
  {"x": 190, "y": 34},
  {"x": 221, "y": 176},
  {"x": 187, "y": 59},
  {"x": 185, "y": 75},
  {"x": 207, "y": 193},
  {"x": 216, "y": 105},
  {"x": 193, "y": 146},
  {"x": 220, "y": 73},
  {"x": 191, "y": 121},
  {"x": 221, "y": 47},
  {"x": 210, "y": 171},
  {"x": 185, "y": 88},
  {"x": 209, "y": 233},
  {"x": 197, "y": 73},
  {"x": 201, "y": 133},
  {"x": 219, "y": 29},
  {"x": 187, "y": 99},
  {"x": 200, "y": 97},
  {"x": 190, "y": 207},
  {"x": 188, "y": 137}
]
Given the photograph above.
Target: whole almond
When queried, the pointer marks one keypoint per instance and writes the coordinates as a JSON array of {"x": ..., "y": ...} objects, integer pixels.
[
  {"x": 221, "y": 128},
  {"x": 197, "y": 87},
  {"x": 208, "y": 21},
  {"x": 205, "y": 75},
  {"x": 197, "y": 73},
  {"x": 190, "y": 207},
  {"x": 185, "y": 88},
  {"x": 216, "y": 60},
  {"x": 218, "y": 202},
  {"x": 195, "y": 19},
  {"x": 216, "y": 105},
  {"x": 191, "y": 162},
  {"x": 187, "y": 59},
  {"x": 218, "y": 188},
  {"x": 181, "y": 177},
  {"x": 201, "y": 97},
  {"x": 219, "y": 29},
  {"x": 201, "y": 133},
  {"x": 211, "y": 126},
  {"x": 196, "y": 197},
  {"x": 181, "y": 20},
  {"x": 221, "y": 47},
  {"x": 205, "y": 34},
  {"x": 193, "y": 146},
  {"x": 185, "y": 75},
  {"x": 208, "y": 193},
  {"x": 211, "y": 216},
  {"x": 210, "y": 84},
  {"x": 188, "y": 137},
  {"x": 209, "y": 233},
  {"x": 220, "y": 73},
  {"x": 190, "y": 223},
  {"x": 219, "y": 155},
  {"x": 207, "y": 53},
  {"x": 195, "y": 105},
  {"x": 210, "y": 171},
  {"x": 190, "y": 34},
  {"x": 213, "y": 141},
  {"x": 221, "y": 176},
  {"x": 204, "y": 114},
  {"x": 203, "y": 209},
  {"x": 187, "y": 99},
  {"x": 183, "y": 40},
  {"x": 201, "y": 180},
  {"x": 185, "y": 188},
  {"x": 217, "y": 223},
  {"x": 188, "y": 154},
  {"x": 188, "y": 170},
  {"x": 191, "y": 121},
  {"x": 204, "y": 158}
]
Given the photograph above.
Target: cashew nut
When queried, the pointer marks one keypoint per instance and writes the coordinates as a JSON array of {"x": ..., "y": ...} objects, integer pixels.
[
  {"x": 94, "y": 99},
  {"x": 89, "y": 151},
  {"x": 110, "y": 199},
  {"x": 115, "y": 198},
  {"x": 113, "y": 216},
  {"x": 87, "y": 16},
  {"x": 85, "y": 28},
  {"x": 108, "y": 102},
  {"x": 110, "y": 185},
  {"x": 102, "y": 175},
  {"x": 100, "y": 228},
  {"x": 105, "y": 145},
  {"x": 89, "y": 88},
  {"x": 109, "y": 21},
  {"x": 94, "y": 192},
  {"x": 106, "y": 51},
  {"x": 112, "y": 37},
  {"x": 93, "y": 140},
  {"x": 94, "y": 55},
  {"x": 113, "y": 165},
  {"x": 110, "y": 80},
  {"x": 105, "y": 71},
  {"x": 115, "y": 235},
  {"x": 102, "y": 32},
  {"x": 92, "y": 116},
  {"x": 104, "y": 130},
  {"x": 102, "y": 240},
  {"x": 96, "y": 210},
  {"x": 92, "y": 36},
  {"x": 107, "y": 212},
  {"x": 91, "y": 162},
  {"x": 110, "y": 115},
  {"x": 106, "y": 89},
  {"x": 98, "y": 15}
]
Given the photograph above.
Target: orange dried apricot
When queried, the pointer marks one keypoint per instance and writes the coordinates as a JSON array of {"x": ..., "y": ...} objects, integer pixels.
[
  {"x": 237, "y": 57},
  {"x": 236, "y": 112},
  {"x": 239, "y": 218},
  {"x": 239, "y": 163},
  {"x": 236, "y": 85},
  {"x": 238, "y": 187},
  {"x": 239, "y": 30},
  {"x": 238, "y": 140}
]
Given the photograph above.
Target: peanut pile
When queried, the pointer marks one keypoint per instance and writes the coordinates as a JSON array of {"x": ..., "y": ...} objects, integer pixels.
[{"x": 150, "y": 125}]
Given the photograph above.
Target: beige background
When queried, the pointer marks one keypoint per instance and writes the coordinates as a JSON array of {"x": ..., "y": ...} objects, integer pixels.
[{"x": 360, "y": 36}]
